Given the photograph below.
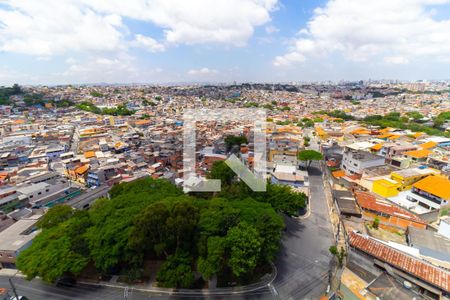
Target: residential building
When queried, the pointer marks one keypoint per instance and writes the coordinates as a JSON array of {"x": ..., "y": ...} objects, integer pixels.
[
  {"x": 432, "y": 246},
  {"x": 431, "y": 192},
  {"x": 289, "y": 175},
  {"x": 355, "y": 161},
  {"x": 386, "y": 212},
  {"x": 427, "y": 278},
  {"x": 15, "y": 239}
]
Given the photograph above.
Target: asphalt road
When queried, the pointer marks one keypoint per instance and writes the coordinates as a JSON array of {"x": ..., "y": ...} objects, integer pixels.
[
  {"x": 37, "y": 290},
  {"x": 304, "y": 258}
]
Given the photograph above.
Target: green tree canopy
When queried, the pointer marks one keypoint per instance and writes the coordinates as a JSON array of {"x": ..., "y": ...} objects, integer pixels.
[
  {"x": 153, "y": 219},
  {"x": 220, "y": 170},
  {"x": 245, "y": 247},
  {"x": 55, "y": 215},
  {"x": 56, "y": 251},
  {"x": 232, "y": 140},
  {"x": 308, "y": 156},
  {"x": 415, "y": 115},
  {"x": 176, "y": 271}
]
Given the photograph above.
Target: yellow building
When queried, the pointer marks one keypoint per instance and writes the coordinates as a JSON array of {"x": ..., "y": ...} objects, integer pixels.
[
  {"x": 400, "y": 181},
  {"x": 385, "y": 187},
  {"x": 321, "y": 133},
  {"x": 406, "y": 178}
]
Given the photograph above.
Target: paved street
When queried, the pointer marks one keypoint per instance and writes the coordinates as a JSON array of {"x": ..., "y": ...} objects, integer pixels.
[
  {"x": 304, "y": 258},
  {"x": 37, "y": 290}
]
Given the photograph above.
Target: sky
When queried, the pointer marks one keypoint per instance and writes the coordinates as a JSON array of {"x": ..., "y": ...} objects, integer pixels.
[{"x": 172, "y": 41}]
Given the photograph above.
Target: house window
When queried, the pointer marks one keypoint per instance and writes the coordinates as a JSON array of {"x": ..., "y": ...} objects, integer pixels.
[
  {"x": 46, "y": 190},
  {"x": 39, "y": 193},
  {"x": 31, "y": 196}
]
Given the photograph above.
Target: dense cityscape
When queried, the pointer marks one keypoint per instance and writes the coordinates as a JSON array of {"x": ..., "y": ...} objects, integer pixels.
[{"x": 357, "y": 192}]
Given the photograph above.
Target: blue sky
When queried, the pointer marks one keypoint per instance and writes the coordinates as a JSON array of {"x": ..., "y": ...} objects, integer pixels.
[{"x": 160, "y": 41}]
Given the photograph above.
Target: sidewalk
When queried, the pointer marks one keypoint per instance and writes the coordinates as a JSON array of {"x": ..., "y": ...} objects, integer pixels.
[
  {"x": 11, "y": 273},
  {"x": 265, "y": 281}
]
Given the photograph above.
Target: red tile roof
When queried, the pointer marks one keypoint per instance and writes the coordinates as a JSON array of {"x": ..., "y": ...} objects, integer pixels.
[
  {"x": 368, "y": 201},
  {"x": 427, "y": 272}
]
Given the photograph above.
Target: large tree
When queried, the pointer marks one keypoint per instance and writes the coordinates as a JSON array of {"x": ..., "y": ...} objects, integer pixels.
[
  {"x": 244, "y": 243},
  {"x": 57, "y": 251},
  {"x": 176, "y": 271},
  {"x": 149, "y": 232},
  {"x": 220, "y": 170},
  {"x": 308, "y": 156},
  {"x": 213, "y": 263},
  {"x": 55, "y": 215},
  {"x": 235, "y": 140}
]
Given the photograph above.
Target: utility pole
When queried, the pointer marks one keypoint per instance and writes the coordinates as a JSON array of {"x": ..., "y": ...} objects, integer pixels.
[{"x": 13, "y": 288}]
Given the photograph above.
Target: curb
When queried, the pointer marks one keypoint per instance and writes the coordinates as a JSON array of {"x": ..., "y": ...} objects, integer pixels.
[{"x": 203, "y": 292}]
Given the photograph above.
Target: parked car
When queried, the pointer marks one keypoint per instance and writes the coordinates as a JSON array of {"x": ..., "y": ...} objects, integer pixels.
[{"x": 66, "y": 280}]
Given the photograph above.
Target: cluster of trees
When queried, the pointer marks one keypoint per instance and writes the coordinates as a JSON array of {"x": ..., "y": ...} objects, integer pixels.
[
  {"x": 63, "y": 103},
  {"x": 38, "y": 99},
  {"x": 308, "y": 123},
  {"x": 251, "y": 104},
  {"x": 304, "y": 122},
  {"x": 336, "y": 114},
  {"x": 30, "y": 99},
  {"x": 34, "y": 99},
  {"x": 6, "y": 92},
  {"x": 233, "y": 234},
  {"x": 441, "y": 119},
  {"x": 306, "y": 141},
  {"x": 280, "y": 197},
  {"x": 97, "y": 94},
  {"x": 120, "y": 110},
  {"x": 283, "y": 123},
  {"x": 145, "y": 102},
  {"x": 234, "y": 140},
  {"x": 412, "y": 121},
  {"x": 268, "y": 106}
]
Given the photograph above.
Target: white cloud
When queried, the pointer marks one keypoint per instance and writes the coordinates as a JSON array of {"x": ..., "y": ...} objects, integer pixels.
[
  {"x": 49, "y": 27},
  {"x": 271, "y": 29},
  {"x": 202, "y": 72},
  {"x": 396, "y": 60},
  {"x": 148, "y": 43},
  {"x": 286, "y": 60},
  {"x": 391, "y": 31},
  {"x": 71, "y": 61},
  {"x": 119, "y": 68},
  {"x": 101, "y": 69},
  {"x": 196, "y": 21}
]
